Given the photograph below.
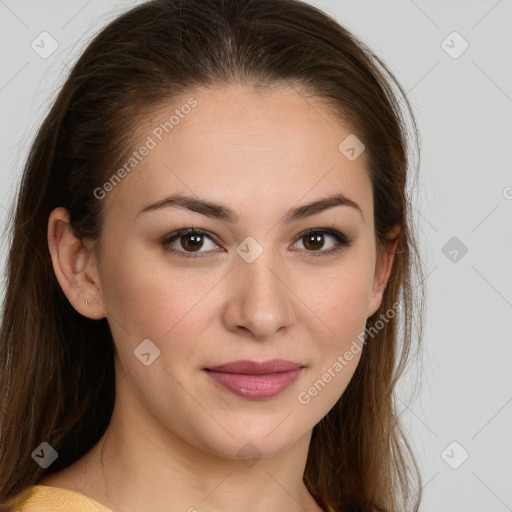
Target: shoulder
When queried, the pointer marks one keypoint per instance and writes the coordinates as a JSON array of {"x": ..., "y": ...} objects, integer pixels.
[{"x": 43, "y": 498}]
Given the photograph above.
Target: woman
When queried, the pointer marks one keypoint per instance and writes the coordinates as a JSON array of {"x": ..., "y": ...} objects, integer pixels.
[{"x": 203, "y": 299}]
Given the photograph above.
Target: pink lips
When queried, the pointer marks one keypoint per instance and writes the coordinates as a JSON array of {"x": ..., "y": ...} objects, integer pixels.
[{"x": 251, "y": 379}]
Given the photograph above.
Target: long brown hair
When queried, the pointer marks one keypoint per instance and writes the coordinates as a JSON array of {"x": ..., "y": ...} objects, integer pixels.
[{"x": 57, "y": 372}]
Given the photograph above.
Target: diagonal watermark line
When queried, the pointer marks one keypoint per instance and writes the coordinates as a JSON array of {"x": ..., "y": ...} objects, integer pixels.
[
  {"x": 426, "y": 277},
  {"x": 425, "y": 14},
  {"x": 191, "y": 191},
  {"x": 492, "y": 81},
  {"x": 199, "y": 403},
  {"x": 279, "y": 423},
  {"x": 425, "y": 219},
  {"x": 492, "y": 418},
  {"x": 333, "y": 332},
  {"x": 425, "y": 485},
  {"x": 118, "y": 380},
  {"x": 418, "y": 82},
  {"x": 485, "y": 15},
  {"x": 14, "y": 76},
  {"x": 216, "y": 487},
  {"x": 192, "y": 307},
  {"x": 312, "y": 106},
  {"x": 76, "y": 14},
  {"x": 484, "y": 218},
  {"x": 4, "y": 208},
  {"x": 291, "y": 496},
  {"x": 407, "y": 407},
  {"x": 508, "y": 508},
  {"x": 100, "y": 303},
  {"x": 502, "y": 296},
  {"x": 306, "y": 193},
  {"x": 81, "y": 491},
  {"x": 321, "y": 178},
  {"x": 170, "y": 170},
  {"x": 3, "y": 3}
]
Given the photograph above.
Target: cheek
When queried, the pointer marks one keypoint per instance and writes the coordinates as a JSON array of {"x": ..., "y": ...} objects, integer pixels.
[
  {"x": 341, "y": 299},
  {"x": 180, "y": 310},
  {"x": 342, "y": 309},
  {"x": 151, "y": 298},
  {"x": 146, "y": 293},
  {"x": 341, "y": 306},
  {"x": 345, "y": 316}
]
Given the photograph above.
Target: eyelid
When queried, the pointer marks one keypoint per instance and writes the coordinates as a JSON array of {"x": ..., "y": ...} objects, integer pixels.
[
  {"x": 342, "y": 241},
  {"x": 171, "y": 237}
]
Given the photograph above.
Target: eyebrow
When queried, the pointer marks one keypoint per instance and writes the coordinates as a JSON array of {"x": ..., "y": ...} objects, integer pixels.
[{"x": 218, "y": 211}]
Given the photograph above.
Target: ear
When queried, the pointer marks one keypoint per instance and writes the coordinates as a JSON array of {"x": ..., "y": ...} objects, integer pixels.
[
  {"x": 75, "y": 266},
  {"x": 383, "y": 270}
]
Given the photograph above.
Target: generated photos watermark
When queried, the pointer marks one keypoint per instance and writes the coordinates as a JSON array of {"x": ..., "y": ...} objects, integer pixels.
[
  {"x": 151, "y": 142},
  {"x": 342, "y": 361}
]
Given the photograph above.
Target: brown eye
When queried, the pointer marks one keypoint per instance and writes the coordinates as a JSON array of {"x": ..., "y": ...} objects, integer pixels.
[
  {"x": 314, "y": 241},
  {"x": 186, "y": 242},
  {"x": 191, "y": 242}
]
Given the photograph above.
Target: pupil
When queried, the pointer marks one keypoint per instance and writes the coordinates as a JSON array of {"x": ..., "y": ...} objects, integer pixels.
[
  {"x": 196, "y": 241},
  {"x": 192, "y": 241},
  {"x": 315, "y": 241}
]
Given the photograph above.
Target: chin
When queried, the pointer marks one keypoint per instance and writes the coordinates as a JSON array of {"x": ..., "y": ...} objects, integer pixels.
[{"x": 255, "y": 441}]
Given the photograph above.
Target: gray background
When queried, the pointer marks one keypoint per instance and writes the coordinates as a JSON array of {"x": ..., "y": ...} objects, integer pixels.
[{"x": 463, "y": 107}]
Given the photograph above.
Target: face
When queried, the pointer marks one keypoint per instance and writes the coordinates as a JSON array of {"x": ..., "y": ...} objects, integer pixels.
[{"x": 248, "y": 282}]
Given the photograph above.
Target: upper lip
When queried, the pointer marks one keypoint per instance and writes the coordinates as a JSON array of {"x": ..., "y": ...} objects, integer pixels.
[{"x": 256, "y": 368}]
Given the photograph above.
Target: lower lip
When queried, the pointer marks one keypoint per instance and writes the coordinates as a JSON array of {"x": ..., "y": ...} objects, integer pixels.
[{"x": 255, "y": 387}]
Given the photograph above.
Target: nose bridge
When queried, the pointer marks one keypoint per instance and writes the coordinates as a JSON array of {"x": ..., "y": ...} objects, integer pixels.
[{"x": 261, "y": 301}]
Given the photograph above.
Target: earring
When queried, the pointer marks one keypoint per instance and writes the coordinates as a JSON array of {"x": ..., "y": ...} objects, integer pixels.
[{"x": 86, "y": 302}]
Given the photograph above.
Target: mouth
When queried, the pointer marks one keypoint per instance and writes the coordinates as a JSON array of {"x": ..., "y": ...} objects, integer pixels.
[{"x": 256, "y": 380}]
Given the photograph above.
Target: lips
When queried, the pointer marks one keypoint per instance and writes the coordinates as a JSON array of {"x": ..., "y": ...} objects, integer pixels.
[
  {"x": 256, "y": 368},
  {"x": 255, "y": 380}
]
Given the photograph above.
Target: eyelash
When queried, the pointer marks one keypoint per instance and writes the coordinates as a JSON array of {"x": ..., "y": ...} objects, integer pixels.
[{"x": 341, "y": 241}]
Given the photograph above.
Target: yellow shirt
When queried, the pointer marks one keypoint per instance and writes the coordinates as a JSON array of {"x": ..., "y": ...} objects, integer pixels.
[{"x": 43, "y": 498}]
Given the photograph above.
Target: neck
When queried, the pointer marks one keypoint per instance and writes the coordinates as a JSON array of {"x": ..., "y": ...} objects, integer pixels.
[{"x": 144, "y": 466}]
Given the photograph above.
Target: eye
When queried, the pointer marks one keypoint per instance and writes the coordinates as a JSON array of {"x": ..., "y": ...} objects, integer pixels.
[
  {"x": 314, "y": 240},
  {"x": 190, "y": 239}
]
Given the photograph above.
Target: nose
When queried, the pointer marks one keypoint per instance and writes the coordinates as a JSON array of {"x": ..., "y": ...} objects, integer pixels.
[{"x": 260, "y": 301}]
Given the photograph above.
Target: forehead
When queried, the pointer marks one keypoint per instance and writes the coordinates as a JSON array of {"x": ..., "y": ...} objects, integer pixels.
[{"x": 242, "y": 147}]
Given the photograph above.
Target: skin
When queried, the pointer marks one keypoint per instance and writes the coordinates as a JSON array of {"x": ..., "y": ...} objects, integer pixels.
[{"x": 174, "y": 434}]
